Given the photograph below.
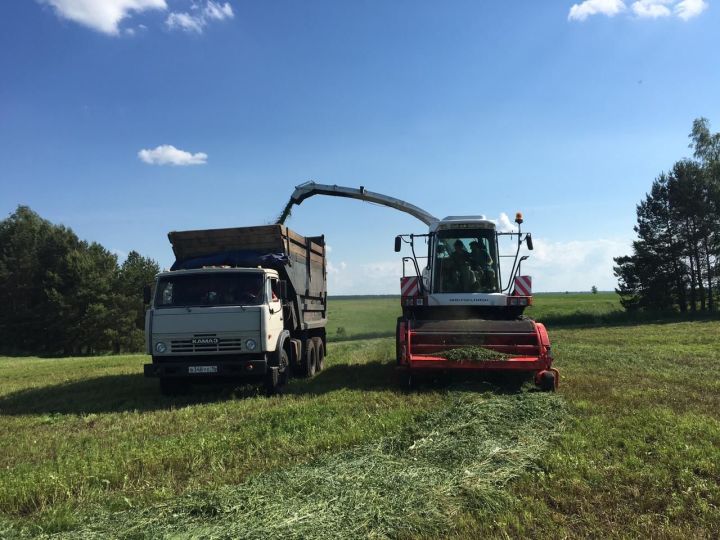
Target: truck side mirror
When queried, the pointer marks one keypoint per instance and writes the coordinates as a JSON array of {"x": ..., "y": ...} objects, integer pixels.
[
  {"x": 282, "y": 289},
  {"x": 146, "y": 294},
  {"x": 528, "y": 239},
  {"x": 398, "y": 244}
]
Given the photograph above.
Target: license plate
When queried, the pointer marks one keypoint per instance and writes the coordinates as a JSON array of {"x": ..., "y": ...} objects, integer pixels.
[{"x": 202, "y": 369}]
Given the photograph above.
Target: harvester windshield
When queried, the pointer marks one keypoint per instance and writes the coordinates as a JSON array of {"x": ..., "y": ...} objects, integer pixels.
[{"x": 466, "y": 261}]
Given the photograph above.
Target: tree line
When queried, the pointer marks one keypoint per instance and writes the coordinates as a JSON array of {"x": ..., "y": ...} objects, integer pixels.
[
  {"x": 676, "y": 257},
  {"x": 63, "y": 295}
]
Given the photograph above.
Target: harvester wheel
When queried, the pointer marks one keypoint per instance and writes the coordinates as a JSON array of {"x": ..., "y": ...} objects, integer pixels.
[
  {"x": 319, "y": 354},
  {"x": 309, "y": 359},
  {"x": 547, "y": 381}
]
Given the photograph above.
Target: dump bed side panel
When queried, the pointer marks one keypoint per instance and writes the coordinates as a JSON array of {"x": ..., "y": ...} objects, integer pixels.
[{"x": 305, "y": 273}]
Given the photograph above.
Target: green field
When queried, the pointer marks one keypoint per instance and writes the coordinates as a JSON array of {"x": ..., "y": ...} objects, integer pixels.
[{"x": 629, "y": 446}]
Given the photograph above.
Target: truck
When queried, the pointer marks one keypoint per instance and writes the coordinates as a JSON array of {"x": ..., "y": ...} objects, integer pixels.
[{"x": 238, "y": 304}]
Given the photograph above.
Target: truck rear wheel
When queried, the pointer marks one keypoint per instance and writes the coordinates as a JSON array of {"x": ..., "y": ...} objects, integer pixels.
[
  {"x": 309, "y": 358},
  {"x": 319, "y": 354}
]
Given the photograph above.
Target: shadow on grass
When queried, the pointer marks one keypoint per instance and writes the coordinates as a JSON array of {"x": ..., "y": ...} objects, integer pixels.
[
  {"x": 385, "y": 376},
  {"x": 111, "y": 393},
  {"x": 122, "y": 393}
]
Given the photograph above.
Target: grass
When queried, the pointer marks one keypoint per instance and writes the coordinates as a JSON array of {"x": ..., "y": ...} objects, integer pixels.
[
  {"x": 362, "y": 318},
  {"x": 630, "y": 447}
]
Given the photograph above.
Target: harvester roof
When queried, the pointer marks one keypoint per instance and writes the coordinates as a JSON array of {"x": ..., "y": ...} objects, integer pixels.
[{"x": 463, "y": 222}]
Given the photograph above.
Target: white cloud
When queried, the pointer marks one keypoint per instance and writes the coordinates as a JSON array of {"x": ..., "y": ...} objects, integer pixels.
[
  {"x": 504, "y": 224},
  {"x": 644, "y": 9},
  {"x": 102, "y": 15},
  {"x": 379, "y": 277},
  {"x": 214, "y": 10},
  {"x": 580, "y": 12},
  {"x": 185, "y": 21},
  {"x": 687, "y": 9},
  {"x": 200, "y": 16},
  {"x": 574, "y": 265},
  {"x": 652, "y": 9},
  {"x": 167, "y": 154}
]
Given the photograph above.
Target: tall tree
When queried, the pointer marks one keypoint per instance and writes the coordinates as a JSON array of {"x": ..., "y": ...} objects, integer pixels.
[
  {"x": 65, "y": 295},
  {"x": 675, "y": 258}
]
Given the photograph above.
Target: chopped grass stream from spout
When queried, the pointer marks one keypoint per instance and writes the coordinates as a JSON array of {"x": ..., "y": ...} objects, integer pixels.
[{"x": 454, "y": 461}]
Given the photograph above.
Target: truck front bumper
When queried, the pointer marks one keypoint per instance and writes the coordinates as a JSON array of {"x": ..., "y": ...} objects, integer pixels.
[{"x": 206, "y": 368}]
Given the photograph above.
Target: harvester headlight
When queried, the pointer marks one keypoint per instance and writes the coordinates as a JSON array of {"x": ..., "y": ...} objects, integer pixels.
[
  {"x": 160, "y": 347},
  {"x": 251, "y": 344}
]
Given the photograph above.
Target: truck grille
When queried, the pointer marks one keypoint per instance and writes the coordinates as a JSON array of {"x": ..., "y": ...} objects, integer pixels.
[{"x": 205, "y": 344}]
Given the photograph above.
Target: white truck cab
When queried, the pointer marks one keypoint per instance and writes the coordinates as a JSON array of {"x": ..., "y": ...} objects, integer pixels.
[{"x": 207, "y": 311}]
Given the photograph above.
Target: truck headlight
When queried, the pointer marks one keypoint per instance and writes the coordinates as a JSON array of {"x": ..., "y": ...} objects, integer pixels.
[
  {"x": 160, "y": 347},
  {"x": 251, "y": 344}
]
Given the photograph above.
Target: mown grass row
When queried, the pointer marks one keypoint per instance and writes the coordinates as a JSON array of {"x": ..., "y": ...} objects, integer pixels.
[{"x": 454, "y": 459}]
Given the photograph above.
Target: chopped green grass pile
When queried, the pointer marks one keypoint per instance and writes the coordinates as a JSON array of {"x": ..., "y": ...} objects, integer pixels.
[
  {"x": 451, "y": 462},
  {"x": 472, "y": 354}
]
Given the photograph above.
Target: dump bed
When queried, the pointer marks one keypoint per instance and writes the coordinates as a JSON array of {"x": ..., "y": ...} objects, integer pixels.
[{"x": 300, "y": 261}]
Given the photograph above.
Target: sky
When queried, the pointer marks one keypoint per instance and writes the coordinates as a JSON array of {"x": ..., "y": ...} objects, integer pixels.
[{"x": 127, "y": 119}]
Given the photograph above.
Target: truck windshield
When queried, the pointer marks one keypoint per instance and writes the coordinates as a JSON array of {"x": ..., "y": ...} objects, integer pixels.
[
  {"x": 466, "y": 261},
  {"x": 211, "y": 289}
]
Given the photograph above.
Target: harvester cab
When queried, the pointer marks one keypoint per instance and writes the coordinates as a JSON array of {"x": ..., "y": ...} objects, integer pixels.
[
  {"x": 457, "y": 312},
  {"x": 462, "y": 268}
]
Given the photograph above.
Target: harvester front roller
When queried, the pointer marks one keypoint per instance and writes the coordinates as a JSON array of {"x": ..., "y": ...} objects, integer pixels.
[{"x": 519, "y": 346}]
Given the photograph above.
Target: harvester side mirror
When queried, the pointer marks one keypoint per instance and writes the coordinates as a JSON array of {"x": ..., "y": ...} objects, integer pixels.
[
  {"x": 282, "y": 289},
  {"x": 146, "y": 294},
  {"x": 398, "y": 244},
  {"x": 528, "y": 239}
]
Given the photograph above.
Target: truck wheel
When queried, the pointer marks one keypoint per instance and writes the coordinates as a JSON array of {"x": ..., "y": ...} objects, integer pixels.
[
  {"x": 174, "y": 387},
  {"x": 276, "y": 379},
  {"x": 319, "y": 354},
  {"x": 309, "y": 358}
]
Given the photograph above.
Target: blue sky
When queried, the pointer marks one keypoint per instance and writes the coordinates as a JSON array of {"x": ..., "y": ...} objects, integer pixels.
[{"x": 564, "y": 110}]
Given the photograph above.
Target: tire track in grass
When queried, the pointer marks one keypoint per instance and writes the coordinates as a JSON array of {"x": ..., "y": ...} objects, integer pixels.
[{"x": 453, "y": 461}]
